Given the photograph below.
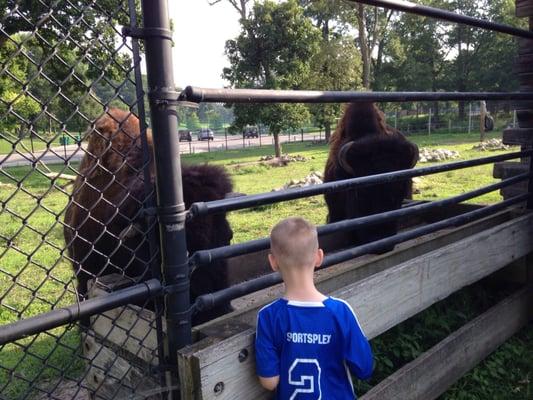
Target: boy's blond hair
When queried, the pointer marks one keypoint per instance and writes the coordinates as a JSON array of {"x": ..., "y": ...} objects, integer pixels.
[{"x": 294, "y": 242}]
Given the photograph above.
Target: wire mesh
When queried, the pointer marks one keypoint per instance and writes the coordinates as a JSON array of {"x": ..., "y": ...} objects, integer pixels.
[{"x": 75, "y": 177}]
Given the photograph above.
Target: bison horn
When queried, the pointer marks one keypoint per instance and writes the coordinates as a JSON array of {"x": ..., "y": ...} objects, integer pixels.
[
  {"x": 130, "y": 231},
  {"x": 231, "y": 195},
  {"x": 341, "y": 157}
]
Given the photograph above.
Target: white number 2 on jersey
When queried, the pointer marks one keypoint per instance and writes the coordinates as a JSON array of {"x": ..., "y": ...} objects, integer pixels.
[{"x": 305, "y": 374}]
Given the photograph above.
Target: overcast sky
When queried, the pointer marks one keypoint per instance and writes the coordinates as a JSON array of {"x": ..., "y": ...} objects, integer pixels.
[{"x": 200, "y": 32}]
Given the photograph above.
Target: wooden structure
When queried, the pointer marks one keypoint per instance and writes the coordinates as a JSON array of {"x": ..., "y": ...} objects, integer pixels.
[
  {"x": 385, "y": 290},
  {"x": 523, "y": 134}
]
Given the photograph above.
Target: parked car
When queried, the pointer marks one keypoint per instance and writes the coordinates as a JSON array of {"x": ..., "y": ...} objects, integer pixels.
[
  {"x": 250, "y": 132},
  {"x": 206, "y": 134},
  {"x": 185, "y": 136}
]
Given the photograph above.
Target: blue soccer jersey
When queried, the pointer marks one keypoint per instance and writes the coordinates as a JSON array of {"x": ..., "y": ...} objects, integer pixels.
[{"x": 312, "y": 346}]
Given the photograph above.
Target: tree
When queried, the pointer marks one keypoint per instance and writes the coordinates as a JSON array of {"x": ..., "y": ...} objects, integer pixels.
[
  {"x": 73, "y": 52},
  {"x": 193, "y": 122},
  {"x": 419, "y": 58},
  {"x": 484, "y": 58},
  {"x": 273, "y": 51},
  {"x": 239, "y": 5},
  {"x": 15, "y": 104},
  {"x": 337, "y": 66},
  {"x": 371, "y": 24}
]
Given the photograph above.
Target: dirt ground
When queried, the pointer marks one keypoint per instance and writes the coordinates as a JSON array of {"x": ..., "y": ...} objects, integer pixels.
[{"x": 63, "y": 390}]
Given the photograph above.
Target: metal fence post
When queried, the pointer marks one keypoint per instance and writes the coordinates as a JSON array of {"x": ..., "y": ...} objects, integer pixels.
[
  {"x": 469, "y": 117},
  {"x": 226, "y": 137},
  {"x": 429, "y": 122},
  {"x": 170, "y": 205}
]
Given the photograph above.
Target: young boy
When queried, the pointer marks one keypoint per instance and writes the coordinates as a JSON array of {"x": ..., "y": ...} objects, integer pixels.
[{"x": 307, "y": 344}]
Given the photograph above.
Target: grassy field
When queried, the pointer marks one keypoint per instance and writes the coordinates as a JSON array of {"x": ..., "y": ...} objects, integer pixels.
[
  {"x": 250, "y": 179},
  {"x": 34, "y": 278}
]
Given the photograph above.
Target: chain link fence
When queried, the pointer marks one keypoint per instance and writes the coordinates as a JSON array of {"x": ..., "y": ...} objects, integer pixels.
[{"x": 75, "y": 179}]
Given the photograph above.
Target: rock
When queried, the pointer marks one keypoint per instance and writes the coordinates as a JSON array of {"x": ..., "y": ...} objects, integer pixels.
[
  {"x": 491, "y": 145},
  {"x": 418, "y": 182},
  {"x": 429, "y": 155},
  {"x": 314, "y": 178},
  {"x": 285, "y": 158}
]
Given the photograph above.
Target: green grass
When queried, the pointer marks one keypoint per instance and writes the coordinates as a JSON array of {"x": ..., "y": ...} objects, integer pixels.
[
  {"x": 254, "y": 178},
  {"x": 25, "y": 145},
  {"x": 35, "y": 278}
]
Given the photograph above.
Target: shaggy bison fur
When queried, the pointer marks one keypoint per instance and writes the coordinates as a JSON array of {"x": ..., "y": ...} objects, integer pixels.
[
  {"x": 104, "y": 221},
  {"x": 364, "y": 145}
]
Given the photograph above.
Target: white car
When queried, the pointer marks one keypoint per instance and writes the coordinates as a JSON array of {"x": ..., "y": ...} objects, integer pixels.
[{"x": 206, "y": 134}]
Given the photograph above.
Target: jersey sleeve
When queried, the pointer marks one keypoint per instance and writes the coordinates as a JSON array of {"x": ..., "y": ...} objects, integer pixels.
[
  {"x": 357, "y": 351},
  {"x": 266, "y": 353}
]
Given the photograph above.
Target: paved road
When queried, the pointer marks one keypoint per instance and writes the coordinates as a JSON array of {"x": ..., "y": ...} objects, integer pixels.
[
  {"x": 73, "y": 153},
  {"x": 237, "y": 142}
]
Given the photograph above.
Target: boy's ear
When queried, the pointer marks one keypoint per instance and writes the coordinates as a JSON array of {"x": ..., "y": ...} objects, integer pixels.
[
  {"x": 273, "y": 262},
  {"x": 319, "y": 257}
]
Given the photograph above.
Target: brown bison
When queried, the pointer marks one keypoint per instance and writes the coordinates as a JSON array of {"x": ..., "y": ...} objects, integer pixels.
[
  {"x": 105, "y": 226},
  {"x": 362, "y": 145}
]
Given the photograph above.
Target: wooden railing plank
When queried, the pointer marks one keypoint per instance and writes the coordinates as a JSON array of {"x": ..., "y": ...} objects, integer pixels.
[
  {"x": 381, "y": 300},
  {"x": 436, "y": 370}
]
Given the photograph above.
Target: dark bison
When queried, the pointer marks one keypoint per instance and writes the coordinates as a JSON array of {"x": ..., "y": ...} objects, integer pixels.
[
  {"x": 104, "y": 221},
  {"x": 362, "y": 145}
]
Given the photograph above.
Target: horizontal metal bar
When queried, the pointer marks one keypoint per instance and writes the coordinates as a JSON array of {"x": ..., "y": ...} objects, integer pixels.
[
  {"x": 437, "y": 13},
  {"x": 210, "y": 300},
  {"x": 205, "y": 257},
  {"x": 199, "y": 95},
  {"x": 62, "y": 316},
  {"x": 239, "y": 203}
]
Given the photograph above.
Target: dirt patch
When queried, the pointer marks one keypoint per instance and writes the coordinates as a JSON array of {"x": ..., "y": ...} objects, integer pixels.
[{"x": 62, "y": 390}]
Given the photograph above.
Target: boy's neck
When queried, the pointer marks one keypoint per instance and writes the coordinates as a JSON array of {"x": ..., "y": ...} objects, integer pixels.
[{"x": 303, "y": 291}]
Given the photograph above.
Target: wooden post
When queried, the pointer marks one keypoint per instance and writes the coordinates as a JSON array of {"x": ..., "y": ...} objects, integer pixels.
[
  {"x": 482, "y": 115},
  {"x": 469, "y": 117},
  {"x": 522, "y": 131},
  {"x": 226, "y": 137},
  {"x": 429, "y": 122}
]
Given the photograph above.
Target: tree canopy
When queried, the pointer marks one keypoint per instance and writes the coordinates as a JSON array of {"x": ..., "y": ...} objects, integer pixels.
[
  {"x": 273, "y": 51},
  {"x": 366, "y": 46}
]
